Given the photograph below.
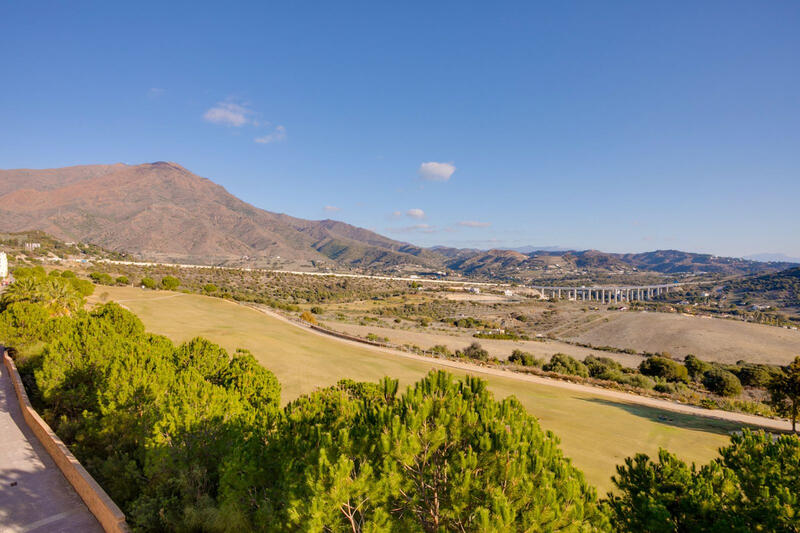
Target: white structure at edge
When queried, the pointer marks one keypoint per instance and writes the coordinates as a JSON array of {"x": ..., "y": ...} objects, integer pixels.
[{"x": 3, "y": 265}]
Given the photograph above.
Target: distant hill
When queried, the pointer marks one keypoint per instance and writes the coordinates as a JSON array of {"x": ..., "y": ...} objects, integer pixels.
[
  {"x": 162, "y": 211},
  {"x": 781, "y": 289}
]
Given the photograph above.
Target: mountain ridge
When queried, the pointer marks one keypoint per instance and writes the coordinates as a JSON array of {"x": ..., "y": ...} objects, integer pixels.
[{"x": 163, "y": 211}]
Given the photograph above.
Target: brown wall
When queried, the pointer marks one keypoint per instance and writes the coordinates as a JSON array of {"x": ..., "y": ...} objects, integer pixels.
[{"x": 99, "y": 503}]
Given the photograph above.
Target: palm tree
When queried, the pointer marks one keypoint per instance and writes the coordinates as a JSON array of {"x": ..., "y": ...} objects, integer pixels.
[
  {"x": 61, "y": 298},
  {"x": 23, "y": 290}
]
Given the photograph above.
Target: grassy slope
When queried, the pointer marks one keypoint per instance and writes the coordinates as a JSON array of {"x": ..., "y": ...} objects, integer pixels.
[
  {"x": 714, "y": 339},
  {"x": 596, "y": 433}
]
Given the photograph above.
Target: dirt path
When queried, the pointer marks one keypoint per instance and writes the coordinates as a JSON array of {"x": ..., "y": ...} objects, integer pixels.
[{"x": 741, "y": 418}]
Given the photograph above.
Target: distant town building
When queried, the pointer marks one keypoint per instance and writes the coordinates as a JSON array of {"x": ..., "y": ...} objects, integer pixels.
[
  {"x": 508, "y": 293},
  {"x": 31, "y": 246},
  {"x": 3, "y": 266},
  {"x": 474, "y": 290}
]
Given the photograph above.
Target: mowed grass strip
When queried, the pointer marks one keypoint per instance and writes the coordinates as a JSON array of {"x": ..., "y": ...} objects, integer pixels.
[{"x": 597, "y": 433}]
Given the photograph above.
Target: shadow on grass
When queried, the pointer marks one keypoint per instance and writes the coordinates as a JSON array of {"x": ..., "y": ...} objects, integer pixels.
[{"x": 678, "y": 420}]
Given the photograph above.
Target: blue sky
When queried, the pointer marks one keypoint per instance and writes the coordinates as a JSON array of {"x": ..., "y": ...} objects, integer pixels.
[{"x": 620, "y": 126}]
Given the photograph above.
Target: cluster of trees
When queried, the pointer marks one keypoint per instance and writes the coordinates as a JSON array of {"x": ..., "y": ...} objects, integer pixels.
[
  {"x": 190, "y": 438},
  {"x": 753, "y": 486},
  {"x": 663, "y": 374}
]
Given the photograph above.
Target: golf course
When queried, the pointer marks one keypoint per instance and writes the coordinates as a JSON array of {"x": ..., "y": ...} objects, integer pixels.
[{"x": 595, "y": 431}]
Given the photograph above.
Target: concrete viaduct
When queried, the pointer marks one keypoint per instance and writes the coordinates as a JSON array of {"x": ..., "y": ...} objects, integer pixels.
[{"x": 606, "y": 294}]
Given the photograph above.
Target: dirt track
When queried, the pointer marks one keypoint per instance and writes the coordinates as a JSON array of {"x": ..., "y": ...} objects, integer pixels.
[{"x": 745, "y": 419}]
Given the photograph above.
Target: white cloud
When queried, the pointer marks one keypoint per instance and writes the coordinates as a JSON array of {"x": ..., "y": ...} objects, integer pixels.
[
  {"x": 154, "y": 93},
  {"x": 433, "y": 171},
  {"x": 474, "y": 224},
  {"x": 279, "y": 134},
  {"x": 332, "y": 208},
  {"x": 229, "y": 114},
  {"x": 397, "y": 214},
  {"x": 416, "y": 213},
  {"x": 418, "y": 228}
]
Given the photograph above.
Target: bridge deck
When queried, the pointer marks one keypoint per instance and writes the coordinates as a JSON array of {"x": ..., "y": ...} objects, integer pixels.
[{"x": 34, "y": 495}]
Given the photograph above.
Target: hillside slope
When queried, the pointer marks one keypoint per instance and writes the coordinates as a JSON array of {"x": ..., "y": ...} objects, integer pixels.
[{"x": 162, "y": 210}]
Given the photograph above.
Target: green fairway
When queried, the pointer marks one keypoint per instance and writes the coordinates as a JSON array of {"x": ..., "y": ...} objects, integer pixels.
[{"x": 597, "y": 433}]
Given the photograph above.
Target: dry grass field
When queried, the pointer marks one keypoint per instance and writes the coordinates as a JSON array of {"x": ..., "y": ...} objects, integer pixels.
[
  {"x": 714, "y": 339},
  {"x": 597, "y": 433},
  {"x": 497, "y": 348}
]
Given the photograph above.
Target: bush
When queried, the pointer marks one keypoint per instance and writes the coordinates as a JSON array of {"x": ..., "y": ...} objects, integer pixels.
[
  {"x": 722, "y": 382},
  {"x": 602, "y": 366},
  {"x": 441, "y": 349},
  {"x": 84, "y": 287},
  {"x": 317, "y": 310},
  {"x": 662, "y": 367},
  {"x": 68, "y": 274},
  {"x": 674, "y": 388},
  {"x": 101, "y": 278},
  {"x": 638, "y": 380},
  {"x": 695, "y": 367},
  {"x": 564, "y": 364},
  {"x": 210, "y": 288},
  {"x": 148, "y": 283},
  {"x": 308, "y": 317},
  {"x": 170, "y": 283},
  {"x": 755, "y": 376},
  {"x": 122, "y": 280},
  {"x": 518, "y": 357},
  {"x": 474, "y": 351}
]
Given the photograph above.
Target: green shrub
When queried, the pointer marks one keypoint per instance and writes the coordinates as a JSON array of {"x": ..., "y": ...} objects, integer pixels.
[
  {"x": 602, "y": 367},
  {"x": 638, "y": 380},
  {"x": 564, "y": 364},
  {"x": 148, "y": 283},
  {"x": 518, "y": 357},
  {"x": 671, "y": 387},
  {"x": 441, "y": 349},
  {"x": 210, "y": 288},
  {"x": 722, "y": 382},
  {"x": 662, "y": 367},
  {"x": 755, "y": 376},
  {"x": 317, "y": 310},
  {"x": 695, "y": 367},
  {"x": 170, "y": 283},
  {"x": 101, "y": 278},
  {"x": 121, "y": 280},
  {"x": 474, "y": 351}
]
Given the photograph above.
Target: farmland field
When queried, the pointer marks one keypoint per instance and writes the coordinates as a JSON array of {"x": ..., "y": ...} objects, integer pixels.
[
  {"x": 726, "y": 341},
  {"x": 597, "y": 433}
]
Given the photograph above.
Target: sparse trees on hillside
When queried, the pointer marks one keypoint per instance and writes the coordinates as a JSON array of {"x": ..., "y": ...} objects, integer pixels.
[{"x": 170, "y": 283}]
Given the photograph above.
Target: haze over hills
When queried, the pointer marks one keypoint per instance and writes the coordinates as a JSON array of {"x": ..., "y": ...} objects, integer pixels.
[{"x": 164, "y": 212}]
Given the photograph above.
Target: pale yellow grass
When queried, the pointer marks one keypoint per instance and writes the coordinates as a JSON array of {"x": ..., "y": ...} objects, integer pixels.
[
  {"x": 597, "y": 433},
  {"x": 714, "y": 339}
]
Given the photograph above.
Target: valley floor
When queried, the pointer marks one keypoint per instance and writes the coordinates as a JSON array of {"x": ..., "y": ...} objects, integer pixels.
[{"x": 597, "y": 430}]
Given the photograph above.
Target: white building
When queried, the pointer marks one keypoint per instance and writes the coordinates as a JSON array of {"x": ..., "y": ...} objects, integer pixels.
[{"x": 3, "y": 265}]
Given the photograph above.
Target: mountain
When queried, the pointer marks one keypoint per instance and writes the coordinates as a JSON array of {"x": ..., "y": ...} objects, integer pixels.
[{"x": 163, "y": 211}]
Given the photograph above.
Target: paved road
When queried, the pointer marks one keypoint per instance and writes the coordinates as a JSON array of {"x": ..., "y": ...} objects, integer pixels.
[{"x": 34, "y": 495}]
